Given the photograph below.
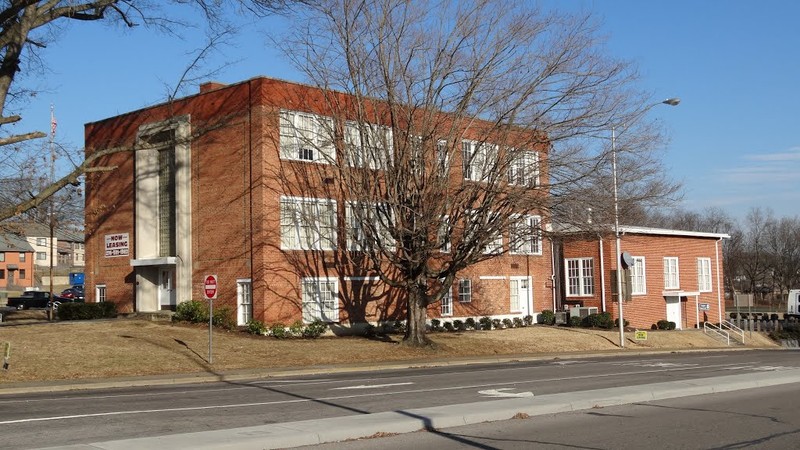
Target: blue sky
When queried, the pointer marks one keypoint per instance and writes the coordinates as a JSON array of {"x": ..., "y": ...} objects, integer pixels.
[{"x": 734, "y": 139}]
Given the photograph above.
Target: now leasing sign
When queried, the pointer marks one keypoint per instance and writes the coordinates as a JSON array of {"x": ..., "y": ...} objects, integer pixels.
[{"x": 117, "y": 245}]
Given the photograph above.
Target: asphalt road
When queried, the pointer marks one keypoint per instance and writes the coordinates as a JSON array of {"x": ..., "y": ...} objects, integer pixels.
[
  {"x": 39, "y": 420},
  {"x": 765, "y": 418}
]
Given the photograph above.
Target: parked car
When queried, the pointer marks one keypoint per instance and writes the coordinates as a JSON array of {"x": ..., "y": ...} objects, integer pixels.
[
  {"x": 75, "y": 293},
  {"x": 31, "y": 299}
]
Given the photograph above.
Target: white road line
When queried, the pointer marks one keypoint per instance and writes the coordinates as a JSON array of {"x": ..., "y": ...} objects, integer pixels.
[
  {"x": 342, "y": 397},
  {"x": 371, "y": 386}
]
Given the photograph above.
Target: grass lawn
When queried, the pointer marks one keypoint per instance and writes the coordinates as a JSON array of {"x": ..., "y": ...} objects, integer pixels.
[{"x": 127, "y": 347}]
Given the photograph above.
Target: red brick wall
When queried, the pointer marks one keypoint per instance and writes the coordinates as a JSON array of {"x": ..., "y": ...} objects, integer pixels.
[
  {"x": 237, "y": 181},
  {"x": 642, "y": 311}
]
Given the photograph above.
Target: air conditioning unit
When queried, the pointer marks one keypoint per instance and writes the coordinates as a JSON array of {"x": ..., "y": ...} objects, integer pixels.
[{"x": 582, "y": 312}]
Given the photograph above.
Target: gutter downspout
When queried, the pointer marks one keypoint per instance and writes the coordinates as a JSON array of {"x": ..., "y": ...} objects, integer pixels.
[
  {"x": 719, "y": 286},
  {"x": 602, "y": 276},
  {"x": 552, "y": 274}
]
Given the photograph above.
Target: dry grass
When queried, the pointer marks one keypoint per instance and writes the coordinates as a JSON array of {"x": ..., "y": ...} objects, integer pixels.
[{"x": 124, "y": 347}]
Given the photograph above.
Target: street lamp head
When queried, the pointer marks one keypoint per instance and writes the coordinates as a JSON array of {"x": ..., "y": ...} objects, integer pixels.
[{"x": 672, "y": 101}]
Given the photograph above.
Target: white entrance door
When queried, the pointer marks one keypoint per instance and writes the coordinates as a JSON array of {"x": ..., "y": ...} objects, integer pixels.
[
  {"x": 166, "y": 288},
  {"x": 674, "y": 311},
  {"x": 521, "y": 295}
]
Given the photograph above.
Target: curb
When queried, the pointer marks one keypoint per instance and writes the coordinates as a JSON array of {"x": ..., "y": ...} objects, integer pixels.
[
  {"x": 260, "y": 374},
  {"x": 313, "y": 432}
]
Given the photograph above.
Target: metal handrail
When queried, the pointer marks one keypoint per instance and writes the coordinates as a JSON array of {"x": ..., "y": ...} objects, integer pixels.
[
  {"x": 730, "y": 326},
  {"x": 709, "y": 327}
]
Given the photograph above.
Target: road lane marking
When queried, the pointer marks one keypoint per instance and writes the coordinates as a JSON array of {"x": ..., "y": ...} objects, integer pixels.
[
  {"x": 501, "y": 393},
  {"x": 371, "y": 386}
]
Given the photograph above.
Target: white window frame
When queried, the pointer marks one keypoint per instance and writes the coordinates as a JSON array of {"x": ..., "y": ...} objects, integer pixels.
[
  {"x": 465, "y": 290},
  {"x": 307, "y": 223},
  {"x": 100, "y": 293},
  {"x": 443, "y": 235},
  {"x": 376, "y": 152},
  {"x": 41, "y": 242},
  {"x": 356, "y": 238},
  {"x": 306, "y": 137},
  {"x": 2, "y": 256},
  {"x": 446, "y": 307},
  {"x": 524, "y": 170},
  {"x": 704, "y": 274},
  {"x": 41, "y": 256},
  {"x": 671, "y": 273},
  {"x": 244, "y": 301},
  {"x": 579, "y": 277},
  {"x": 495, "y": 245},
  {"x": 638, "y": 276},
  {"x": 315, "y": 304},
  {"x": 442, "y": 158},
  {"x": 525, "y": 235},
  {"x": 478, "y": 160}
]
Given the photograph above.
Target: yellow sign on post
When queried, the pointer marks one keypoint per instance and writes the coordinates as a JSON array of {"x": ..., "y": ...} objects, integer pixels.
[{"x": 641, "y": 335}]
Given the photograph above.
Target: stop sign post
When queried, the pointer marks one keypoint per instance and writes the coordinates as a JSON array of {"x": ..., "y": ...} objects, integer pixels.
[{"x": 210, "y": 293}]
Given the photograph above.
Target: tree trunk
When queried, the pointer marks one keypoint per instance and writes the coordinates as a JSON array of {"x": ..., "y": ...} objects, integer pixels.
[{"x": 416, "y": 314}]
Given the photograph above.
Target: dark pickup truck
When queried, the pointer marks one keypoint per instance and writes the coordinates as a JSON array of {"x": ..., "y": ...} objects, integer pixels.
[{"x": 30, "y": 299}]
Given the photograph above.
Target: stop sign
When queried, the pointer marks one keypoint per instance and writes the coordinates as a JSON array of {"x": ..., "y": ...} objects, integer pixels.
[{"x": 210, "y": 287}]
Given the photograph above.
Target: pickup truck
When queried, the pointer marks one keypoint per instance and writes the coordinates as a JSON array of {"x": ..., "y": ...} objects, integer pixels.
[{"x": 30, "y": 299}]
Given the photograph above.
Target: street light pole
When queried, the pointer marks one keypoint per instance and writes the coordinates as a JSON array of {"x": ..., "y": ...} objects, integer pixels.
[{"x": 617, "y": 251}]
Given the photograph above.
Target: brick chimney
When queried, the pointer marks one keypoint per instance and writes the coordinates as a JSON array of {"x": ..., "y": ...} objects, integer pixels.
[{"x": 210, "y": 86}]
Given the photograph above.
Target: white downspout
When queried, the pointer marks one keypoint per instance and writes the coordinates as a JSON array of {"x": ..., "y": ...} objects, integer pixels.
[
  {"x": 602, "y": 277},
  {"x": 552, "y": 274},
  {"x": 719, "y": 286}
]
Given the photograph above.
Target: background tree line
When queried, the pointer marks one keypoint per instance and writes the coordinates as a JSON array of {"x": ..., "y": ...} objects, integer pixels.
[{"x": 762, "y": 257}]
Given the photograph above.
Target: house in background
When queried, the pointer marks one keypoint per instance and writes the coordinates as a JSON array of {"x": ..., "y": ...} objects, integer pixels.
[
  {"x": 67, "y": 247},
  {"x": 669, "y": 275},
  {"x": 203, "y": 193},
  {"x": 16, "y": 263}
]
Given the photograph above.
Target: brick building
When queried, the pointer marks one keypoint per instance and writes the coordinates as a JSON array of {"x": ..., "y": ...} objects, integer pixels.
[
  {"x": 16, "y": 263},
  {"x": 205, "y": 192},
  {"x": 671, "y": 274}
]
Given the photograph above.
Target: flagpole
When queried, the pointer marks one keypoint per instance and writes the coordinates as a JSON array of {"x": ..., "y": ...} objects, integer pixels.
[{"x": 51, "y": 219}]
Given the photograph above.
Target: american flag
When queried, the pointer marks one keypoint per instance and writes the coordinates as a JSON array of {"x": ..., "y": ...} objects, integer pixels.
[{"x": 53, "y": 122}]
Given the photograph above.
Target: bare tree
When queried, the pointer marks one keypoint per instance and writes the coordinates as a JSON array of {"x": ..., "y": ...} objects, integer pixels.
[
  {"x": 460, "y": 123},
  {"x": 28, "y": 26},
  {"x": 782, "y": 242}
]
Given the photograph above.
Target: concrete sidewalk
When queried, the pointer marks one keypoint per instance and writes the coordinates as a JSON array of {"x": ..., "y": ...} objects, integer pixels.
[{"x": 310, "y": 432}]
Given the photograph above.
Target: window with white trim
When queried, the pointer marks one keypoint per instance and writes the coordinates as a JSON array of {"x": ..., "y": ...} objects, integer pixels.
[
  {"x": 308, "y": 223},
  {"x": 638, "y": 281},
  {"x": 2, "y": 256},
  {"x": 465, "y": 290},
  {"x": 475, "y": 228},
  {"x": 524, "y": 170},
  {"x": 368, "y": 145},
  {"x": 671, "y": 278},
  {"x": 478, "y": 160},
  {"x": 320, "y": 299},
  {"x": 41, "y": 256},
  {"x": 580, "y": 277},
  {"x": 368, "y": 224},
  {"x": 447, "y": 303},
  {"x": 442, "y": 157},
  {"x": 704, "y": 274},
  {"x": 100, "y": 293},
  {"x": 244, "y": 300},
  {"x": 41, "y": 242},
  {"x": 443, "y": 235},
  {"x": 526, "y": 235},
  {"x": 306, "y": 137}
]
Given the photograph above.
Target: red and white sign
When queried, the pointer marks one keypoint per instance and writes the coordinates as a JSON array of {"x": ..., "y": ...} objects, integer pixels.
[{"x": 210, "y": 287}]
